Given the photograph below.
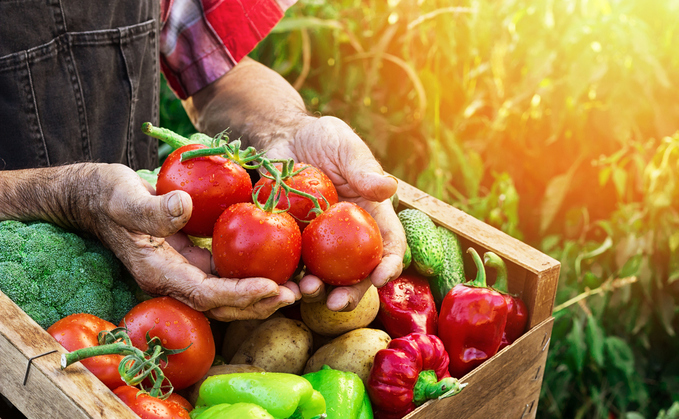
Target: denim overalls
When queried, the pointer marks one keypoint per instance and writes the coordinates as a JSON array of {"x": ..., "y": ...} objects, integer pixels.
[{"x": 77, "y": 80}]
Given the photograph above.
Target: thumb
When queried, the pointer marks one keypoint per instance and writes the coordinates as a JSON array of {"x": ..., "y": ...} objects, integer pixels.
[
  {"x": 160, "y": 216},
  {"x": 367, "y": 178}
]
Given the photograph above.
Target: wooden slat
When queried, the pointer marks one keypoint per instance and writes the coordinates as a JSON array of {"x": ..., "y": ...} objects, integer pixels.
[
  {"x": 49, "y": 391},
  {"x": 506, "y": 386}
]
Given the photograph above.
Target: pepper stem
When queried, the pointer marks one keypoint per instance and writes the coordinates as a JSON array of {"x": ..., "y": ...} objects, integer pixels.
[
  {"x": 429, "y": 387},
  {"x": 480, "y": 280},
  {"x": 491, "y": 260}
]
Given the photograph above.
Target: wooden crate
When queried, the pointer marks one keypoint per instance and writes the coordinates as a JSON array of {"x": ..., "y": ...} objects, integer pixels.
[{"x": 506, "y": 386}]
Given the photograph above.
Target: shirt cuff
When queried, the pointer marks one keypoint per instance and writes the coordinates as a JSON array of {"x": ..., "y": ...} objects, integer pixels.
[{"x": 202, "y": 40}]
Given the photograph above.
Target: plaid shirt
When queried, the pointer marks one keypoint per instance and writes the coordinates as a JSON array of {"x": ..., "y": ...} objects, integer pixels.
[{"x": 201, "y": 40}]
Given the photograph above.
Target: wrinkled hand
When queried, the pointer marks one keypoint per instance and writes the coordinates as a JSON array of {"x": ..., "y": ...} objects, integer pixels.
[
  {"x": 332, "y": 146},
  {"x": 133, "y": 222}
]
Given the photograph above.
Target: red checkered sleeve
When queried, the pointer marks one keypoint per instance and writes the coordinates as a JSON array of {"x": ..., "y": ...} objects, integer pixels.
[{"x": 201, "y": 40}]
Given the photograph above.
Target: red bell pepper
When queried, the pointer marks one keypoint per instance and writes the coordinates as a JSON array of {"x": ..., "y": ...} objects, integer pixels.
[
  {"x": 407, "y": 306},
  {"x": 471, "y": 322},
  {"x": 517, "y": 312},
  {"x": 410, "y": 371}
]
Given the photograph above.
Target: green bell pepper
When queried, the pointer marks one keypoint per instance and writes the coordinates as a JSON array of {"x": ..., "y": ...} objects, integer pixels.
[
  {"x": 281, "y": 394},
  {"x": 236, "y": 410},
  {"x": 344, "y": 393}
]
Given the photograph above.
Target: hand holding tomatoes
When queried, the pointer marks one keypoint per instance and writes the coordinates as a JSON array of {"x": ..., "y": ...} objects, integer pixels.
[{"x": 332, "y": 146}]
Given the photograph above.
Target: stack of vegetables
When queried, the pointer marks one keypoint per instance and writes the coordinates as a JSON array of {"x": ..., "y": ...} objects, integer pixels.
[{"x": 410, "y": 341}]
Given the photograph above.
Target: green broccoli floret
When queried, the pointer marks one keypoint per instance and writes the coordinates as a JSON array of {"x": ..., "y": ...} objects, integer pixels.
[
  {"x": 12, "y": 246},
  {"x": 43, "y": 314},
  {"x": 123, "y": 301},
  {"x": 16, "y": 284},
  {"x": 51, "y": 273},
  {"x": 58, "y": 288},
  {"x": 10, "y": 226},
  {"x": 94, "y": 267},
  {"x": 93, "y": 298}
]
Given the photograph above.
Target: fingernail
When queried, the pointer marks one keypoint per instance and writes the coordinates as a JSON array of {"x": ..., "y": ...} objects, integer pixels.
[
  {"x": 346, "y": 307},
  {"x": 315, "y": 293},
  {"x": 175, "y": 206}
]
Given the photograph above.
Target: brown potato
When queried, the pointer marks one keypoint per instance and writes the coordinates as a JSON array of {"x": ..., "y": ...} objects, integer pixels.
[
  {"x": 238, "y": 331},
  {"x": 353, "y": 351},
  {"x": 332, "y": 323},
  {"x": 277, "y": 345}
]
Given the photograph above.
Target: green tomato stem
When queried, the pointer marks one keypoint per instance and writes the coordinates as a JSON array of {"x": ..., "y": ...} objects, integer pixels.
[
  {"x": 169, "y": 137},
  {"x": 118, "y": 348}
]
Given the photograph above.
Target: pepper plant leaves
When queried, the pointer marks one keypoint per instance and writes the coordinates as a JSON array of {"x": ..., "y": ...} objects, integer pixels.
[
  {"x": 577, "y": 349},
  {"x": 555, "y": 193},
  {"x": 595, "y": 338}
]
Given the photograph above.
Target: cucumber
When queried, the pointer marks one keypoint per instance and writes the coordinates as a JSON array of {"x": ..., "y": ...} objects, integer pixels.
[
  {"x": 453, "y": 266},
  {"x": 424, "y": 241},
  {"x": 407, "y": 257}
]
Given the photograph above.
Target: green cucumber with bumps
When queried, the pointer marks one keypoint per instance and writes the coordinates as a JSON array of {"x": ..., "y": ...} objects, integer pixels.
[
  {"x": 453, "y": 266},
  {"x": 424, "y": 241},
  {"x": 407, "y": 257}
]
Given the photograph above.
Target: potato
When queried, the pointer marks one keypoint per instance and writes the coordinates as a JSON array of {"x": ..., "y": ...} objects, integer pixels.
[
  {"x": 332, "y": 323},
  {"x": 353, "y": 351},
  {"x": 238, "y": 331},
  {"x": 191, "y": 393},
  {"x": 277, "y": 345}
]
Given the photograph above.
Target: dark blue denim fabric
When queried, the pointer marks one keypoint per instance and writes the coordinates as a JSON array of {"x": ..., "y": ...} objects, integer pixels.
[{"x": 77, "y": 80}]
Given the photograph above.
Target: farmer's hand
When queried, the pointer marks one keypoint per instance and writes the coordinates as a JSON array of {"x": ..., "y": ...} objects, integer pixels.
[
  {"x": 332, "y": 146},
  {"x": 261, "y": 108},
  {"x": 112, "y": 202}
]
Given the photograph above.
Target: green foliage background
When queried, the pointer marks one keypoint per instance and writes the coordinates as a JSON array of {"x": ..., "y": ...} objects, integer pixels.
[{"x": 556, "y": 121}]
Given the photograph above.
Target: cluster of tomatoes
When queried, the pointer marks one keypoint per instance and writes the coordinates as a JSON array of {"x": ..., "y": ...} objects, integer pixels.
[
  {"x": 255, "y": 234},
  {"x": 175, "y": 324}
]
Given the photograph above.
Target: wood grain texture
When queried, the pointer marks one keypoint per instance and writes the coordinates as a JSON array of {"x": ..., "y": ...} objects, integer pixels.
[
  {"x": 49, "y": 391},
  {"x": 506, "y": 386}
]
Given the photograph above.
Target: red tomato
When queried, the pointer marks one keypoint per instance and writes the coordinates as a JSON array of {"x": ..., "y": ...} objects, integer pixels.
[
  {"x": 180, "y": 400},
  {"x": 177, "y": 325},
  {"x": 310, "y": 180},
  {"x": 342, "y": 245},
  {"x": 149, "y": 407},
  {"x": 213, "y": 182},
  {"x": 250, "y": 242},
  {"x": 81, "y": 330}
]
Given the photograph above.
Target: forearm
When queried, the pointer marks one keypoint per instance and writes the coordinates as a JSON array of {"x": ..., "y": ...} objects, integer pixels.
[
  {"x": 55, "y": 194},
  {"x": 254, "y": 102}
]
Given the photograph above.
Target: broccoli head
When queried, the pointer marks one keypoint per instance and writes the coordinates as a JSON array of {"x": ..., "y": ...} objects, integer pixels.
[{"x": 51, "y": 273}]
